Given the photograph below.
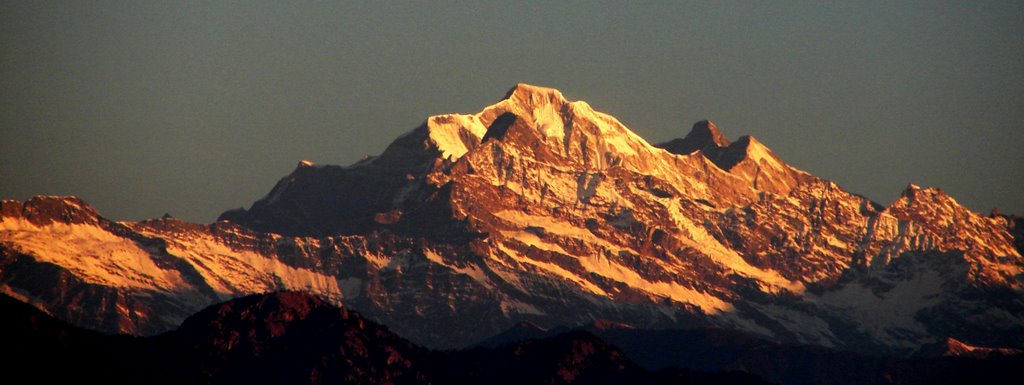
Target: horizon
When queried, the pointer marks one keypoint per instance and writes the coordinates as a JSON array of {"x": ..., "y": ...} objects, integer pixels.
[{"x": 192, "y": 110}]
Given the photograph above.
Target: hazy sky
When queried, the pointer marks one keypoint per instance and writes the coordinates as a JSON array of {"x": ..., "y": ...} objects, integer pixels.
[{"x": 143, "y": 108}]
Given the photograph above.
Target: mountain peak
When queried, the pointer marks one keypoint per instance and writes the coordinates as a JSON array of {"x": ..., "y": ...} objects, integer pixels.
[
  {"x": 43, "y": 210},
  {"x": 914, "y": 193},
  {"x": 704, "y": 136},
  {"x": 751, "y": 148},
  {"x": 706, "y": 131},
  {"x": 534, "y": 95},
  {"x": 532, "y": 115}
]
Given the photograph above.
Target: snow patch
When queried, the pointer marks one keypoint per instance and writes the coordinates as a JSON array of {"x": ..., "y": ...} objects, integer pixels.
[
  {"x": 558, "y": 227},
  {"x": 91, "y": 253},
  {"x": 888, "y": 316},
  {"x": 699, "y": 239},
  {"x": 512, "y": 306},
  {"x": 472, "y": 271},
  {"x": 609, "y": 269},
  {"x": 549, "y": 122},
  {"x": 449, "y": 133},
  {"x": 531, "y": 239},
  {"x": 553, "y": 269},
  {"x": 232, "y": 272}
]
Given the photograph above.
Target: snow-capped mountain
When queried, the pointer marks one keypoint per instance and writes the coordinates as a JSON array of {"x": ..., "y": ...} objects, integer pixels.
[{"x": 542, "y": 209}]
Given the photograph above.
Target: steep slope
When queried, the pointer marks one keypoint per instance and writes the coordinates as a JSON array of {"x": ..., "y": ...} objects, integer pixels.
[{"x": 542, "y": 209}]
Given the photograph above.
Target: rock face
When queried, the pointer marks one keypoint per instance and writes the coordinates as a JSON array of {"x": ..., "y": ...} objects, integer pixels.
[{"x": 544, "y": 210}]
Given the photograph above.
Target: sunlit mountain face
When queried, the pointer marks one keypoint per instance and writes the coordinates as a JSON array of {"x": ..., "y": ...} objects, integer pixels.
[{"x": 541, "y": 214}]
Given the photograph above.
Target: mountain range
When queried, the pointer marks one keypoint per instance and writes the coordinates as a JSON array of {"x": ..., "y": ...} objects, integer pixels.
[{"x": 543, "y": 210}]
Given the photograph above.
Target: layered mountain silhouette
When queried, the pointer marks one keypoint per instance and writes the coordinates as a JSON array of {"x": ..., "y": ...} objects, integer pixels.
[
  {"x": 294, "y": 338},
  {"x": 715, "y": 350},
  {"x": 543, "y": 210}
]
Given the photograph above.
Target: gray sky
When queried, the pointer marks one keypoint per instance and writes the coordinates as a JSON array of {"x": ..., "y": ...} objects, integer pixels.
[{"x": 143, "y": 108}]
